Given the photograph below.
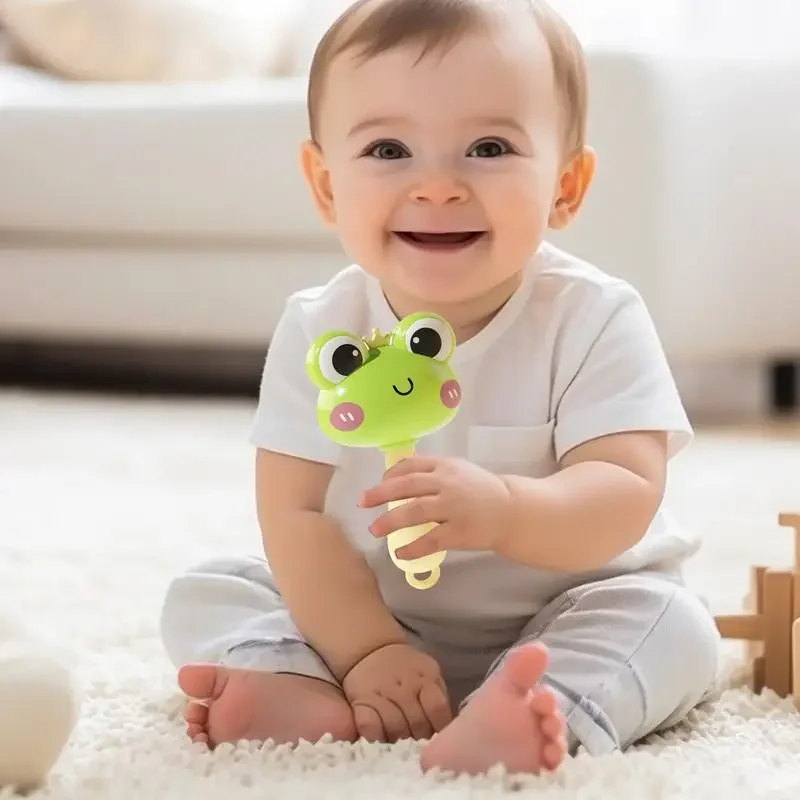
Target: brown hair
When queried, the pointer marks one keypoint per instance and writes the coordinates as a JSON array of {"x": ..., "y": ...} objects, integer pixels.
[{"x": 372, "y": 27}]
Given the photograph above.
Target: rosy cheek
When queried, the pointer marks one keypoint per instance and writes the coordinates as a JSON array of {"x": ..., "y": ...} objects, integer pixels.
[
  {"x": 450, "y": 394},
  {"x": 346, "y": 417}
]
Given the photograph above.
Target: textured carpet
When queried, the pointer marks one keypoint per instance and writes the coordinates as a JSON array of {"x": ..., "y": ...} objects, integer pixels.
[{"x": 101, "y": 501}]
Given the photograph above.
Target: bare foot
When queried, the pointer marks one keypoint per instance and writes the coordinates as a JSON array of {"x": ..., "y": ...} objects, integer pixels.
[
  {"x": 229, "y": 705},
  {"x": 510, "y": 721}
]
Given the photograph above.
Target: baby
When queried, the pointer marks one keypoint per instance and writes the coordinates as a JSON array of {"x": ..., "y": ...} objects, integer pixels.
[{"x": 447, "y": 136}]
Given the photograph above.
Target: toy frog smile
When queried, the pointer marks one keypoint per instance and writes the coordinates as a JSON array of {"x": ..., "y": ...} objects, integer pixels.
[{"x": 388, "y": 391}]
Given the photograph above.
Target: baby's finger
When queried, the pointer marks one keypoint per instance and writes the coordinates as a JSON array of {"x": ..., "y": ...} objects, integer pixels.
[
  {"x": 368, "y": 722},
  {"x": 411, "y": 464},
  {"x": 436, "y": 705},
  {"x": 393, "y": 719},
  {"x": 427, "y": 544},
  {"x": 406, "y": 487},
  {"x": 420, "y": 511},
  {"x": 418, "y": 723}
]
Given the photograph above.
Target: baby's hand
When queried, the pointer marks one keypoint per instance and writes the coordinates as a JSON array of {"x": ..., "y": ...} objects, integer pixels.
[
  {"x": 397, "y": 692},
  {"x": 471, "y": 505}
]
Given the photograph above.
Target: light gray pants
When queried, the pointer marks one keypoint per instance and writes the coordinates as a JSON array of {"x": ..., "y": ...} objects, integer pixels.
[{"x": 629, "y": 655}]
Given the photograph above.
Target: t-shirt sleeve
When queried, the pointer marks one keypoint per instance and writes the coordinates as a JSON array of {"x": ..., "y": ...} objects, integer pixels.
[
  {"x": 618, "y": 378},
  {"x": 286, "y": 418}
]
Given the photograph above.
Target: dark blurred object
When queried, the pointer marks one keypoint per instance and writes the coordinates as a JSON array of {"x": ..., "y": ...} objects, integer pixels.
[
  {"x": 127, "y": 369},
  {"x": 785, "y": 386}
]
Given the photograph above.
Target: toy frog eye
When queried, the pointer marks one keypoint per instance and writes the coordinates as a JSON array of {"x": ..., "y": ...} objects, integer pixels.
[
  {"x": 334, "y": 357},
  {"x": 340, "y": 357},
  {"x": 426, "y": 335}
]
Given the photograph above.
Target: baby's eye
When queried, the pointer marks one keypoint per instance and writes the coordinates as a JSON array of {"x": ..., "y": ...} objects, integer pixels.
[
  {"x": 490, "y": 148},
  {"x": 387, "y": 151}
]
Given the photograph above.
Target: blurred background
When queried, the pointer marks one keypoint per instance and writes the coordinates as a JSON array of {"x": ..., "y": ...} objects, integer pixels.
[{"x": 153, "y": 217}]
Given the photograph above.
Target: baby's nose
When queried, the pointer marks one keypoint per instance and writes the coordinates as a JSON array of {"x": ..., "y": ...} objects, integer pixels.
[{"x": 440, "y": 191}]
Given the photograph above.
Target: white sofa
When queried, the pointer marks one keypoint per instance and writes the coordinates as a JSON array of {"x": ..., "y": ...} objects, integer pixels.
[
  {"x": 148, "y": 213},
  {"x": 177, "y": 214}
]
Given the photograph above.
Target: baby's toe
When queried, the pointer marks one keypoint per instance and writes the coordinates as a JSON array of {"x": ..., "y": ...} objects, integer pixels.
[
  {"x": 552, "y": 726},
  {"x": 197, "y": 733},
  {"x": 202, "y": 681},
  {"x": 553, "y": 754},
  {"x": 543, "y": 701},
  {"x": 196, "y": 714}
]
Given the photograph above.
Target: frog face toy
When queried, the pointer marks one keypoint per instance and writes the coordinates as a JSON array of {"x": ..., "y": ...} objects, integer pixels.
[{"x": 388, "y": 390}]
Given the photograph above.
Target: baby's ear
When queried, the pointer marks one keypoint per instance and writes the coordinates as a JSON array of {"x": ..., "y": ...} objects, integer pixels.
[
  {"x": 575, "y": 181},
  {"x": 318, "y": 179}
]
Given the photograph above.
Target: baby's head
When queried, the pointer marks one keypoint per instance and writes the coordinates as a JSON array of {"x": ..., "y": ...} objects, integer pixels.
[{"x": 446, "y": 137}]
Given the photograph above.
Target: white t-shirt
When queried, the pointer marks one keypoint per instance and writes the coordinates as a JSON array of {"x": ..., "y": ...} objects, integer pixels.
[{"x": 572, "y": 356}]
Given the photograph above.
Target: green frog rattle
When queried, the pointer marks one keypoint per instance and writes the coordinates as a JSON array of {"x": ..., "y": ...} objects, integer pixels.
[{"x": 388, "y": 391}]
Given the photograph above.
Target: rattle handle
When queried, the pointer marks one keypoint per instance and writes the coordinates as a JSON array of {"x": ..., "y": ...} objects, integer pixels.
[
  {"x": 395, "y": 454},
  {"x": 428, "y": 565}
]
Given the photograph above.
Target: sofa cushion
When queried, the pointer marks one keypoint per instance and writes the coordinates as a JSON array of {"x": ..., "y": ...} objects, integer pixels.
[
  {"x": 212, "y": 160},
  {"x": 151, "y": 40}
]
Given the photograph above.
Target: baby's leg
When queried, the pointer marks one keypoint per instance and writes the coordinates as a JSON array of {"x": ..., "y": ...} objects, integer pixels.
[
  {"x": 627, "y": 656},
  {"x": 242, "y": 661}
]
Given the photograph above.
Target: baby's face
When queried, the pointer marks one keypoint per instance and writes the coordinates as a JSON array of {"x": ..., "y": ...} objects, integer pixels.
[{"x": 444, "y": 170}]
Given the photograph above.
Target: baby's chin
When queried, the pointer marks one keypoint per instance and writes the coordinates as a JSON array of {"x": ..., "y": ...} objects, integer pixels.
[
  {"x": 435, "y": 289},
  {"x": 438, "y": 276},
  {"x": 462, "y": 302}
]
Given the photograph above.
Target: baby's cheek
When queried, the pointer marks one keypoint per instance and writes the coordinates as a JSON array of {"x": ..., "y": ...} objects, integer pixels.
[
  {"x": 364, "y": 210},
  {"x": 346, "y": 417}
]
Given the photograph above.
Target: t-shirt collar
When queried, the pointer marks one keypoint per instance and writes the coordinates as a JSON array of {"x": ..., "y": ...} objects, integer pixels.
[{"x": 385, "y": 319}]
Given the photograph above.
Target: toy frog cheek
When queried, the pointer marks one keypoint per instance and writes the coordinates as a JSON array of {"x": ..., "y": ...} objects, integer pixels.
[
  {"x": 450, "y": 394},
  {"x": 347, "y": 417}
]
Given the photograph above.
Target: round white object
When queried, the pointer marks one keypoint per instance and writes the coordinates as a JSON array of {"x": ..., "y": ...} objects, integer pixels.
[{"x": 38, "y": 711}]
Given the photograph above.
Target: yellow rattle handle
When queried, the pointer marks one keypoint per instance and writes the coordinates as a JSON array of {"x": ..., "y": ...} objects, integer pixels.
[{"x": 397, "y": 539}]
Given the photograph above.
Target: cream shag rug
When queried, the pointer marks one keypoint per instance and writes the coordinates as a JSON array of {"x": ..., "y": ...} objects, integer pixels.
[{"x": 102, "y": 500}]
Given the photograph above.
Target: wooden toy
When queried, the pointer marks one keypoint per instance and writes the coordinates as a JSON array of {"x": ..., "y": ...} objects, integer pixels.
[{"x": 772, "y": 628}]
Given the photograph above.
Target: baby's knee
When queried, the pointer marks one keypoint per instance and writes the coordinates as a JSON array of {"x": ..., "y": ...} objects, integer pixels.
[
  {"x": 206, "y": 603},
  {"x": 677, "y": 663},
  {"x": 693, "y": 632},
  {"x": 186, "y": 594},
  {"x": 194, "y": 581},
  {"x": 246, "y": 567},
  {"x": 177, "y": 587},
  {"x": 675, "y": 625}
]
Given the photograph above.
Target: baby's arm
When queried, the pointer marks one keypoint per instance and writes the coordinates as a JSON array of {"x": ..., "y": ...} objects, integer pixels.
[
  {"x": 329, "y": 589},
  {"x": 618, "y": 419},
  {"x": 595, "y": 508}
]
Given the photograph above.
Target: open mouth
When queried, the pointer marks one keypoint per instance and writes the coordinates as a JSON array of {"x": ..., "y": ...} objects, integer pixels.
[{"x": 440, "y": 241}]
